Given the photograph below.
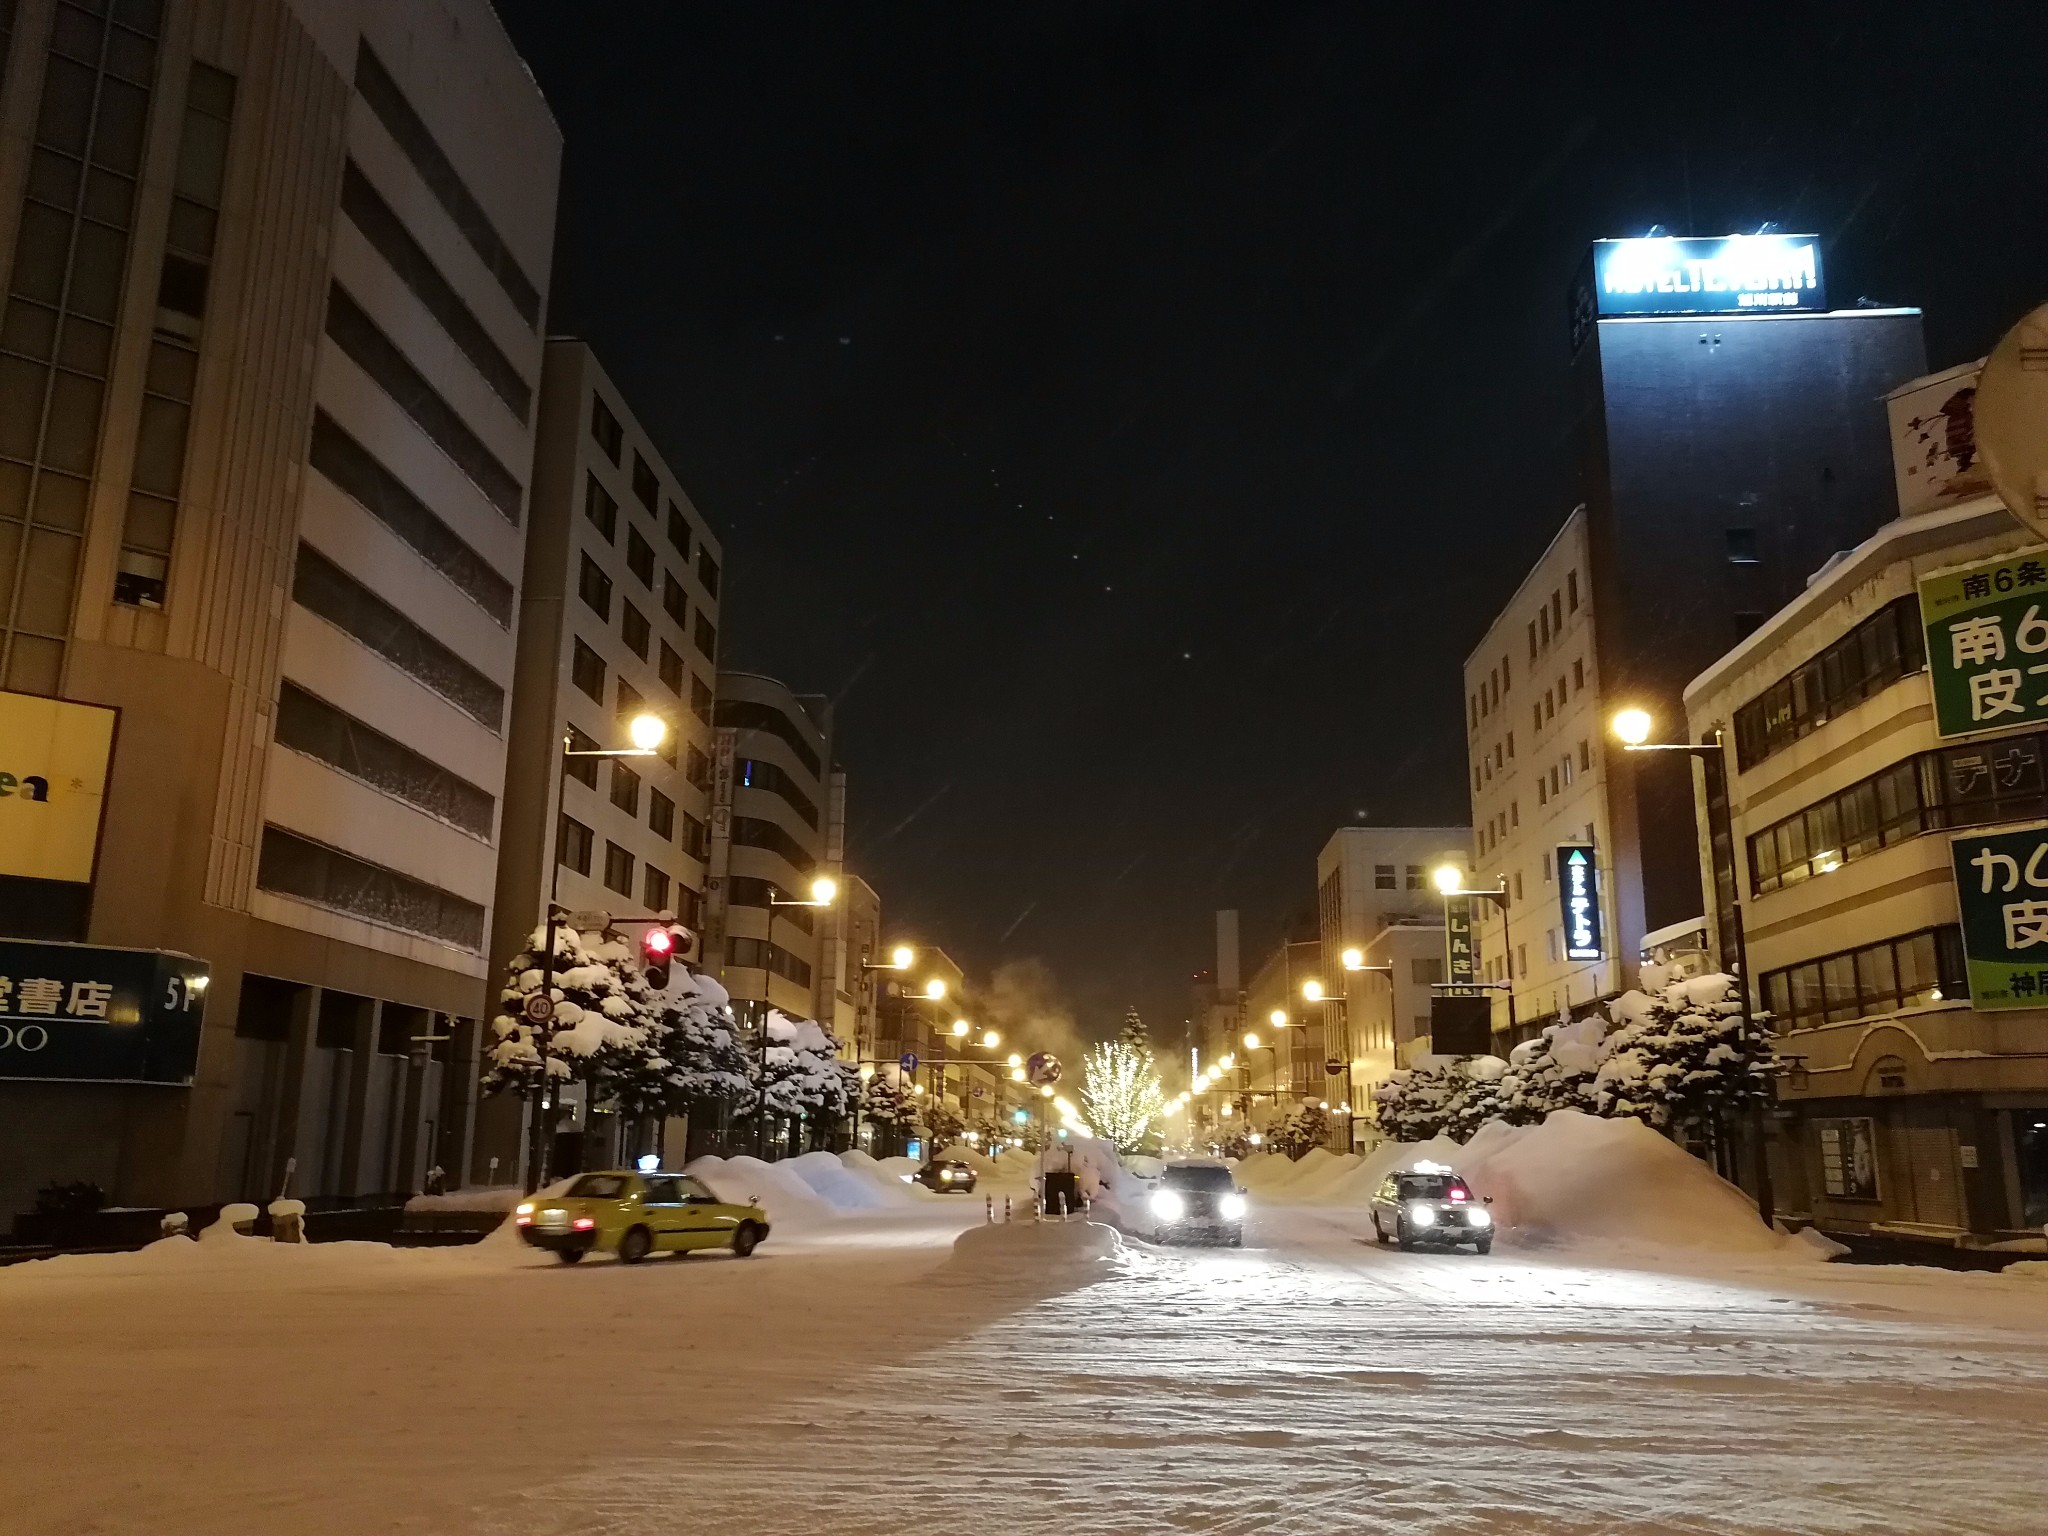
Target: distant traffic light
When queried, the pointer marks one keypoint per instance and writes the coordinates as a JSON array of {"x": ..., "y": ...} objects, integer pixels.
[{"x": 657, "y": 949}]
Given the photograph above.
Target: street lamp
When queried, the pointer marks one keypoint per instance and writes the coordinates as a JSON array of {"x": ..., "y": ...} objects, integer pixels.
[
  {"x": 823, "y": 893},
  {"x": 901, "y": 958},
  {"x": 1633, "y": 726},
  {"x": 1353, "y": 959},
  {"x": 647, "y": 732}
]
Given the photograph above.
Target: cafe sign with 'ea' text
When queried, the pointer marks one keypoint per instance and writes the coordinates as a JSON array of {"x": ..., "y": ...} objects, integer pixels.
[{"x": 53, "y": 786}]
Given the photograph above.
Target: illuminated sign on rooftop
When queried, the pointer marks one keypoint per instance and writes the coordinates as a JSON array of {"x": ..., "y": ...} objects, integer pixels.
[{"x": 1738, "y": 274}]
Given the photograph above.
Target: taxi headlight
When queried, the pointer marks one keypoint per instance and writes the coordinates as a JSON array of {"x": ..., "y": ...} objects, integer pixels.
[
  {"x": 1479, "y": 1216},
  {"x": 1168, "y": 1206},
  {"x": 1231, "y": 1207},
  {"x": 1421, "y": 1215}
]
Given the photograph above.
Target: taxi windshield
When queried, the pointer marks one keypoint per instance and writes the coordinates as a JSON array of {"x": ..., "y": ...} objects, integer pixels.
[
  {"x": 598, "y": 1186},
  {"x": 1433, "y": 1186}
]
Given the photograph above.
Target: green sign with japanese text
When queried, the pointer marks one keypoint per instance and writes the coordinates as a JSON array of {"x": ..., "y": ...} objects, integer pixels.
[
  {"x": 1987, "y": 643},
  {"x": 2002, "y": 892},
  {"x": 1461, "y": 951}
]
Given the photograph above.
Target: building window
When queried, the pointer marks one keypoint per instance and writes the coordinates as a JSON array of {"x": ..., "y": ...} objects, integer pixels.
[
  {"x": 661, "y": 815},
  {"x": 618, "y": 869},
  {"x": 1878, "y": 652},
  {"x": 755, "y": 832},
  {"x": 671, "y": 668},
  {"x": 1742, "y": 546},
  {"x": 323, "y": 588},
  {"x": 689, "y": 907},
  {"x": 595, "y": 588},
  {"x": 1585, "y": 756},
  {"x": 697, "y": 768},
  {"x": 290, "y": 865},
  {"x": 1848, "y": 1157},
  {"x": 1578, "y": 675},
  {"x": 1566, "y": 765},
  {"x": 645, "y": 486},
  {"x": 1415, "y": 877},
  {"x": 315, "y": 727},
  {"x": 675, "y": 602},
  {"x": 700, "y": 698},
  {"x": 625, "y": 788},
  {"x": 634, "y": 630},
  {"x": 586, "y": 670},
  {"x": 384, "y": 98},
  {"x": 1542, "y": 797},
  {"x": 1385, "y": 877},
  {"x": 1522, "y": 961},
  {"x": 1532, "y": 639},
  {"x": 640, "y": 558},
  {"x": 605, "y": 430},
  {"x": 707, "y": 572},
  {"x": 678, "y": 531},
  {"x": 386, "y": 232},
  {"x": 1536, "y": 715},
  {"x": 1514, "y": 813},
  {"x": 582, "y": 769},
  {"x": 599, "y": 507},
  {"x": 705, "y": 638},
  {"x": 572, "y": 843},
  {"x": 654, "y": 891},
  {"x": 1571, "y": 590},
  {"x": 1913, "y": 971},
  {"x": 355, "y": 472},
  {"x": 357, "y": 335},
  {"x": 750, "y": 773},
  {"x": 1511, "y": 745},
  {"x": 696, "y": 837},
  {"x": 751, "y": 715},
  {"x": 760, "y": 955}
]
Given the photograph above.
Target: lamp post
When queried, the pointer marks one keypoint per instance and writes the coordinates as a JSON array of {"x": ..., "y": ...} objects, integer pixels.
[
  {"x": 1633, "y": 727},
  {"x": 646, "y": 732},
  {"x": 824, "y": 891},
  {"x": 1450, "y": 883}
]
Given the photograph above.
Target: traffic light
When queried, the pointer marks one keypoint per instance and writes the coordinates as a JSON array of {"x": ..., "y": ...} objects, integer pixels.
[{"x": 657, "y": 949}]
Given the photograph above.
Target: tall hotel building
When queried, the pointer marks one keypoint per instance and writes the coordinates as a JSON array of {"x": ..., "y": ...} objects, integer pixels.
[{"x": 274, "y": 274}]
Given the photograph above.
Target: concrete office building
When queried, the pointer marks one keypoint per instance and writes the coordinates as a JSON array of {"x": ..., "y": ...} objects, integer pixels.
[
  {"x": 274, "y": 278},
  {"x": 618, "y": 616},
  {"x": 770, "y": 781},
  {"x": 1731, "y": 439},
  {"x": 1916, "y": 1100},
  {"x": 1375, "y": 893}
]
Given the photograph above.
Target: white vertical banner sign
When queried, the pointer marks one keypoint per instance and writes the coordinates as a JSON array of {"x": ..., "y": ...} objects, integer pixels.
[{"x": 719, "y": 859}]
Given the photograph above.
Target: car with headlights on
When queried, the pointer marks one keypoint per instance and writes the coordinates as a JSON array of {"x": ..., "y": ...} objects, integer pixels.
[
  {"x": 634, "y": 1214},
  {"x": 1430, "y": 1206},
  {"x": 947, "y": 1176},
  {"x": 1197, "y": 1200}
]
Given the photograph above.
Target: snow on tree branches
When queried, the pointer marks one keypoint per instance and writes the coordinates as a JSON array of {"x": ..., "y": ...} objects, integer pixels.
[
  {"x": 804, "y": 1078},
  {"x": 1121, "y": 1092},
  {"x": 886, "y": 1101},
  {"x": 1306, "y": 1127}
]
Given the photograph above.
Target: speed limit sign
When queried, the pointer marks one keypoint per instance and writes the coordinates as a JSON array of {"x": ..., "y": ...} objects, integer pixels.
[{"x": 539, "y": 1008}]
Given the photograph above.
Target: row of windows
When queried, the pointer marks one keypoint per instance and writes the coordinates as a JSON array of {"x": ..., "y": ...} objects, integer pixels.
[
  {"x": 290, "y": 865},
  {"x": 752, "y": 715},
  {"x": 313, "y": 726},
  {"x": 377, "y": 355},
  {"x": 1949, "y": 787},
  {"x": 1878, "y": 652},
  {"x": 695, "y": 837},
  {"x": 748, "y": 891},
  {"x": 602, "y": 509},
  {"x": 1559, "y": 777},
  {"x": 760, "y": 955},
  {"x": 387, "y": 234},
  {"x": 753, "y": 832},
  {"x": 1908, "y": 972},
  {"x": 355, "y": 471},
  {"x": 587, "y": 672},
  {"x": 753, "y": 774},
  {"x": 1545, "y": 709},
  {"x": 322, "y": 587},
  {"x": 1549, "y": 620},
  {"x": 575, "y": 847},
  {"x": 1384, "y": 878},
  {"x": 594, "y": 587},
  {"x": 388, "y": 102}
]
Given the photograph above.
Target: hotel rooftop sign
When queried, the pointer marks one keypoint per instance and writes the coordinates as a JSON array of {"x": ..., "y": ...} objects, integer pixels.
[{"x": 1729, "y": 274}]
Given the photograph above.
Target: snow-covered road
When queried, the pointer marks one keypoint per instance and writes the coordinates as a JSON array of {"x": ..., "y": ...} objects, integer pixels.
[{"x": 853, "y": 1381}]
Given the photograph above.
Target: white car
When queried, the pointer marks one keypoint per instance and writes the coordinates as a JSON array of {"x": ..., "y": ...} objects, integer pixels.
[{"x": 1430, "y": 1206}]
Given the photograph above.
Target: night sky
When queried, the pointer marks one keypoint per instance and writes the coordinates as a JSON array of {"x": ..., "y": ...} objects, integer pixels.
[{"x": 1131, "y": 414}]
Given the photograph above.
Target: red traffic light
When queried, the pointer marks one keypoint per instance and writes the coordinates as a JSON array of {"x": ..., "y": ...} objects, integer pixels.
[{"x": 659, "y": 942}]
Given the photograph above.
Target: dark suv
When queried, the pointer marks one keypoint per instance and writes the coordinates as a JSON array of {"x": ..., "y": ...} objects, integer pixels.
[
  {"x": 946, "y": 1176},
  {"x": 1197, "y": 1200}
]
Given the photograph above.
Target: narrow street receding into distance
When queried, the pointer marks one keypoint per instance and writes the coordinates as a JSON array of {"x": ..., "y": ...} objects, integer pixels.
[{"x": 848, "y": 1375}]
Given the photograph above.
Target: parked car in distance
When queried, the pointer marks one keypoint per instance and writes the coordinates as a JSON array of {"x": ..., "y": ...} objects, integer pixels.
[
  {"x": 634, "y": 1214},
  {"x": 947, "y": 1176},
  {"x": 1197, "y": 1200},
  {"x": 1430, "y": 1206}
]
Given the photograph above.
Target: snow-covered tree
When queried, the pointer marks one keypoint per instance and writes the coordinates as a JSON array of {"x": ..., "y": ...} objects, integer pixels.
[
  {"x": 1553, "y": 1071},
  {"x": 709, "y": 1064},
  {"x": 804, "y": 1077},
  {"x": 1132, "y": 1032},
  {"x": 1440, "y": 1096},
  {"x": 1121, "y": 1092},
  {"x": 1478, "y": 1098},
  {"x": 885, "y": 1101},
  {"x": 941, "y": 1122},
  {"x": 599, "y": 1032},
  {"x": 1683, "y": 1055},
  {"x": 1304, "y": 1128}
]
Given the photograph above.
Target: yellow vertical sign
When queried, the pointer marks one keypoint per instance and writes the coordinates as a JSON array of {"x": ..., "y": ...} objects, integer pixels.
[{"x": 53, "y": 785}]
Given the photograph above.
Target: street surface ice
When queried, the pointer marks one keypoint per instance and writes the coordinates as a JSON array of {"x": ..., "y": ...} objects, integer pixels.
[{"x": 862, "y": 1375}]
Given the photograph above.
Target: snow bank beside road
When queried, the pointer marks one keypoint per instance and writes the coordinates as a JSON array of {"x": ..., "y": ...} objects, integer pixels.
[
  {"x": 780, "y": 1189},
  {"x": 1069, "y": 1251}
]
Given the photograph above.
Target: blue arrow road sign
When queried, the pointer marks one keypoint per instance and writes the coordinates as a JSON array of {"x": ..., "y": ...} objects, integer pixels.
[{"x": 907, "y": 1061}]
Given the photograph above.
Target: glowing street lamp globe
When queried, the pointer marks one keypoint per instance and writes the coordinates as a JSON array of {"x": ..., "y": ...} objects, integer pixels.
[
  {"x": 1633, "y": 726},
  {"x": 1449, "y": 879},
  {"x": 824, "y": 892},
  {"x": 647, "y": 732},
  {"x": 901, "y": 956},
  {"x": 1353, "y": 959}
]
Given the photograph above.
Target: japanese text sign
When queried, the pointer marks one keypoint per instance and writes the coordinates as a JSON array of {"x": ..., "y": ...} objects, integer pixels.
[
  {"x": 83, "y": 1013},
  {"x": 1461, "y": 950},
  {"x": 1987, "y": 643},
  {"x": 2002, "y": 893},
  {"x": 1578, "y": 895}
]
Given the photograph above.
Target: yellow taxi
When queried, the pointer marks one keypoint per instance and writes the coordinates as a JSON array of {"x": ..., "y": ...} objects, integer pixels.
[{"x": 634, "y": 1214}]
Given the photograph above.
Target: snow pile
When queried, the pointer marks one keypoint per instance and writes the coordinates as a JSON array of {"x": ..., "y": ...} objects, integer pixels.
[
  {"x": 1325, "y": 1177},
  {"x": 1267, "y": 1172},
  {"x": 1577, "y": 1176},
  {"x": 1070, "y": 1252},
  {"x": 779, "y": 1188},
  {"x": 2027, "y": 1269},
  {"x": 887, "y": 1181},
  {"x": 842, "y": 1188},
  {"x": 483, "y": 1198}
]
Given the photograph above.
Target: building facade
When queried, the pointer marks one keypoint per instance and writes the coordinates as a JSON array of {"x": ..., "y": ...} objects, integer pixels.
[
  {"x": 1915, "y": 1096},
  {"x": 1374, "y": 894},
  {"x": 274, "y": 279}
]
